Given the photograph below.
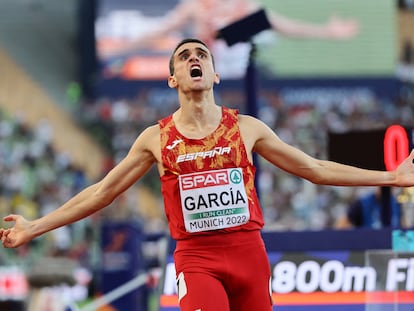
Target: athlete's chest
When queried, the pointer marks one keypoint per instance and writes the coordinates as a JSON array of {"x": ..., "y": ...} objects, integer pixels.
[{"x": 189, "y": 155}]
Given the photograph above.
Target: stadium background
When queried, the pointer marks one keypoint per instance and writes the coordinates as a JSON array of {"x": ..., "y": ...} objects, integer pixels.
[{"x": 64, "y": 124}]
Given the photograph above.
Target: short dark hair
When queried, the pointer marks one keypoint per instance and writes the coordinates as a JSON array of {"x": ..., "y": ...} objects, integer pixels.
[{"x": 182, "y": 42}]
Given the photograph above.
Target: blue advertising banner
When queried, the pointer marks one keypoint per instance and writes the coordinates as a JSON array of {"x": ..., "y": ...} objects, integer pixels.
[
  {"x": 329, "y": 270},
  {"x": 122, "y": 261}
]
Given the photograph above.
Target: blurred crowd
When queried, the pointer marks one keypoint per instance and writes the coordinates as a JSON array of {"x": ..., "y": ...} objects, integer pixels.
[
  {"x": 35, "y": 178},
  {"x": 300, "y": 117}
]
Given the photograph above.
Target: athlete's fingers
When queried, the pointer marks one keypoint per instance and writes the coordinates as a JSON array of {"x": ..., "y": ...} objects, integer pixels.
[
  {"x": 11, "y": 217},
  {"x": 4, "y": 234}
]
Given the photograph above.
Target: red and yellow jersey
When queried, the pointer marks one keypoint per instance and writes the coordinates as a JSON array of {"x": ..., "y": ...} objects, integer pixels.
[{"x": 208, "y": 183}]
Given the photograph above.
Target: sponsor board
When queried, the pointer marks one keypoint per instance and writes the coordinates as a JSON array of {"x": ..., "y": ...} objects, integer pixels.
[{"x": 352, "y": 280}]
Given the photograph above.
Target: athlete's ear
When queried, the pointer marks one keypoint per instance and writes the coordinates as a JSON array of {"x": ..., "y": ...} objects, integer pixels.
[
  {"x": 216, "y": 78},
  {"x": 172, "y": 82}
]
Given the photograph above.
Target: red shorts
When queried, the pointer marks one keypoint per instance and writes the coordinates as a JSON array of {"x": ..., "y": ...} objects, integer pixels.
[{"x": 223, "y": 272}]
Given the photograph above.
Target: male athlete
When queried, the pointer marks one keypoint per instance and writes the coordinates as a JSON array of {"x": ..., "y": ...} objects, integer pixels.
[{"x": 204, "y": 157}]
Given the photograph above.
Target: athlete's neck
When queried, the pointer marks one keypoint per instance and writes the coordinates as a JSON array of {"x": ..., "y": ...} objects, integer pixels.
[{"x": 197, "y": 120}]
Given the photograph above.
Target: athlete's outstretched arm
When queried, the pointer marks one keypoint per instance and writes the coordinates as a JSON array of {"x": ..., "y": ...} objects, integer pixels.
[
  {"x": 93, "y": 198},
  {"x": 266, "y": 143},
  {"x": 334, "y": 28},
  {"x": 174, "y": 20}
]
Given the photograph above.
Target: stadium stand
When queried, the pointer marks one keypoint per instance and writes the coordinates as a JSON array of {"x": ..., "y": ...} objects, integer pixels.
[{"x": 20, "y": 95}]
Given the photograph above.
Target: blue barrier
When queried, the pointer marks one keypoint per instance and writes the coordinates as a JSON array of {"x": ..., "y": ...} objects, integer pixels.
[{"x": 330, "y": 272}]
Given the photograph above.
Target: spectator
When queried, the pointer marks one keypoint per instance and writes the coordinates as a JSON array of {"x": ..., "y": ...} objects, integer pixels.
[{"x": 377, "y": 209}]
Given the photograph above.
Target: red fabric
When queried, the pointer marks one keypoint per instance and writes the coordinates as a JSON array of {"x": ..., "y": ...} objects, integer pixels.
[
  {"x": 224, "y": 272},
  {"x": 226, "y": 135}
]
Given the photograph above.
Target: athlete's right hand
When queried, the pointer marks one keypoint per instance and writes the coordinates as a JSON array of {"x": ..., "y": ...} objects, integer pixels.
[{"x": 16, "y": 235}]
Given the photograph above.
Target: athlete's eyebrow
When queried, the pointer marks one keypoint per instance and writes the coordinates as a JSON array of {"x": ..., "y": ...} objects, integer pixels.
[{"x": 197, "y": 48}]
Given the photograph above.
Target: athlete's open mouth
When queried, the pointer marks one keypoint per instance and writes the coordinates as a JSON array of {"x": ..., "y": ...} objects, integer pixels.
[{"x": 196, "y": 71}]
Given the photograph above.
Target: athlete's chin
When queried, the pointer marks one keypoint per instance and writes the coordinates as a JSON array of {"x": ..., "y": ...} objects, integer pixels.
[{"x": 198, "y": 88}]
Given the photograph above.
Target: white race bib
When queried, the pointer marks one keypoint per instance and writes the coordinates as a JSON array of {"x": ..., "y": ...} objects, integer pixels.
[{"x": 214, "y": 200}]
